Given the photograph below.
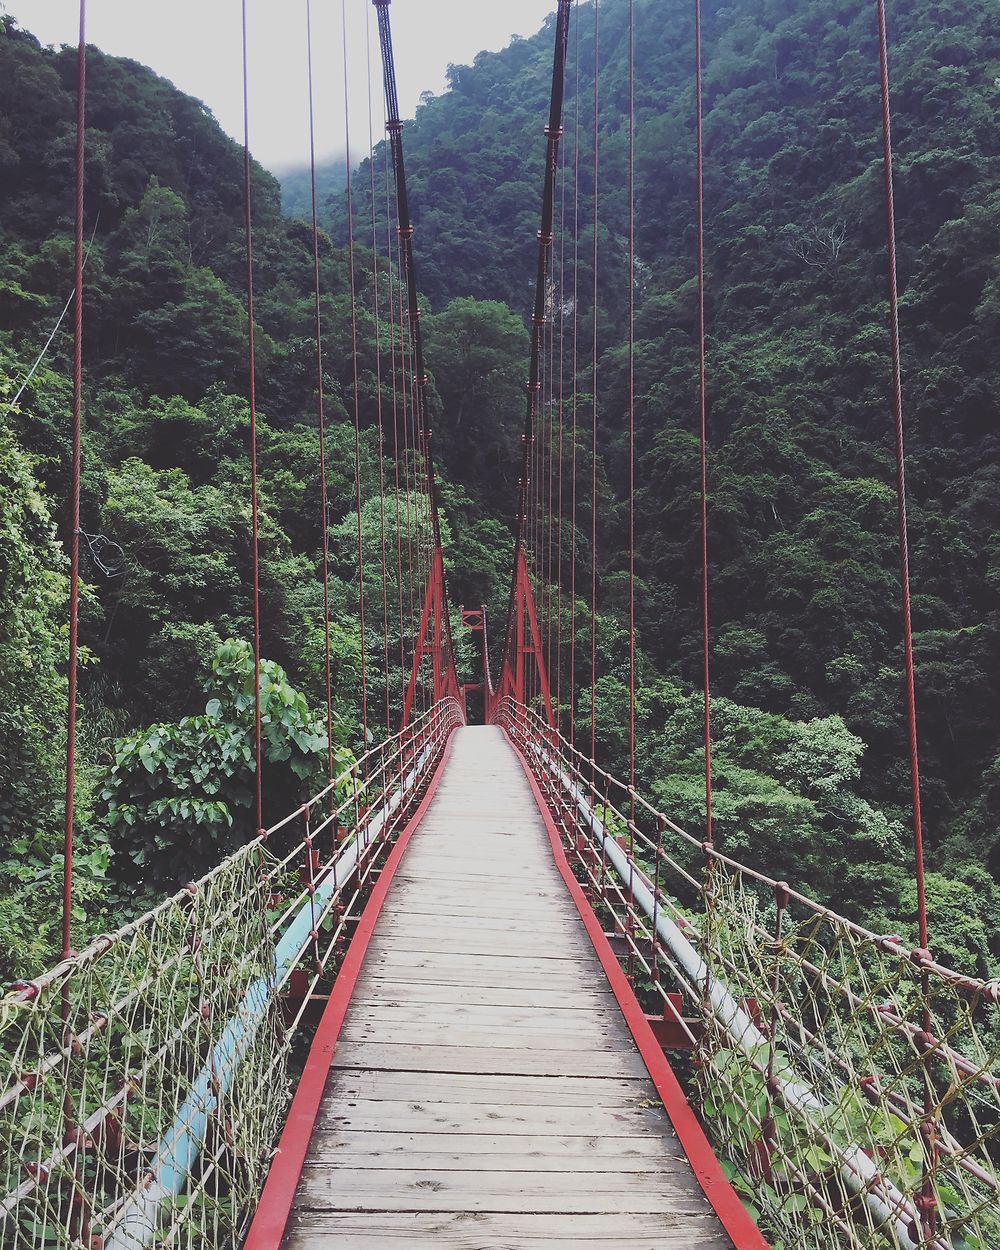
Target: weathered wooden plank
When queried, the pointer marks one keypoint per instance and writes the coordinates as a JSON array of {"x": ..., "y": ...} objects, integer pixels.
[
  {"x": 508, "y": 905},
  {"x": 409, "y": 913},
  {"x": 504, "y": 913},
  {"x": 422, "y": 1115},
  {"x": 410, "y": 919},
  {"x": 372, "y": 988},
  {"x": 407, "y": 1189},
  {"x": 486, "y": 1231},
  {"x": 476, "y": 976},
  {"x": 564, "y": 931},
  {"x": 348, "y": 1085},
  {"x": 411, "y": 1057},
  {"x": 513, "y": 967},
  {"x": 494, "y": 884},
  {"x": 464, "y": 940},
  {"x": 481, "y": 1152},
  {"x": 488, "y": 857},
  {"x": 462, "y": 1013},
  {"x": 371, "y": 1027}
]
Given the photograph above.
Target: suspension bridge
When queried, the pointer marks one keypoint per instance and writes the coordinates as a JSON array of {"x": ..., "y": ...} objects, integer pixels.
[{"x": 478, "y": 991}]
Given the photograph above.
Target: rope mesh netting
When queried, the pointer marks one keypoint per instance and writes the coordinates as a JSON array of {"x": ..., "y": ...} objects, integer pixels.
[
  {"x": 149, "y": 1074},
  {"x": 850, "y": 1083}
]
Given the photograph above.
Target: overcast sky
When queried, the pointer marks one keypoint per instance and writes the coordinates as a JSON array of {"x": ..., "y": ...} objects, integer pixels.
[{"x": 196, "y": 44}]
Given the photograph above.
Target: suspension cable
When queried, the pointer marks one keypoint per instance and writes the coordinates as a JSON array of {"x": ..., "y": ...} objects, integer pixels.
[
  {"x": 354, "y": 372},
  {"x": 423, "y": 432},
  {"x": 394, "y": 127},
  {"x": 378, "y": 378},
  {"x": 702, "y": 439},
  {"x": 897, "y": 402},
  {"x": 631, "y": 396},
  {"x": 553, "y": 133},
  {"x": 593, "y": 398},
  {"x": 252, "y": 382},
  {"x": 561, "y": 401},
  {"x": 77, "y": 473},
  {"x": 576, "y": 392},
  {"x": 550, "y": 426},
  {"x": 405, "y": 409},
  {"x": 11, "y": 404},
  {"x": 319, "y": 398},
  {"x": 928, "y": 1202},
  {"x": 398, "y": 416}
]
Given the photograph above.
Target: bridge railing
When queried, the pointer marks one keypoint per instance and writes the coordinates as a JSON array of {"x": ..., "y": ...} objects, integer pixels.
[
  {"x": 144, "y": 1079},
  {"x": 850, "y": 1081}
]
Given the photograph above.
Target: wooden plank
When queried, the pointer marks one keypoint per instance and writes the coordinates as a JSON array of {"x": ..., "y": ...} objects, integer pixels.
[
  {"x": 465, "y": 1014},
  {"x": 418, "y": 912},
  {"x": 508, "y": 905},
  {"x": 372, "y": 1027},
  {"x": 508, "y": 885},
  {"x": 464, "y": 940},
  {"x": 407, "y": 1057},
  {"x": 487, "y": 1231},
  {"x": 409, "y": 1189},
  {"x": 408, "y": 919},
  {"x": 479, "y": 921},
  {"x": 491, "y": 851},
  {"x": 496, "y": 926},
  {"x": 481, "y": 1152},
  {"x": 563, "y": 978},
  {"x": 543, "y": 888},
  {"x": 426, "y": 1116},
  {"x": 489, "y": 858},
  {"x": 622, "y": 1093},
  {"x": 513, "y": 967},
  {"x": 379, "y": 988}
]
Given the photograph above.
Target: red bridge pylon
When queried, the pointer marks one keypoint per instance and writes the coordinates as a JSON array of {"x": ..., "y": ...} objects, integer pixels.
[
  {"x": 434, "y": 639},
  {"x": 523, "y": 641}
]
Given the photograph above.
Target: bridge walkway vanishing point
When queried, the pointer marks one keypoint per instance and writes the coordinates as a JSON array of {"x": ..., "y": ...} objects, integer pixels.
[{"x": 485, "y": 1089}]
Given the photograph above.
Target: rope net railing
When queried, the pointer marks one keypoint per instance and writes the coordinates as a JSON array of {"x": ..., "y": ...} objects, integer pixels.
[
  {"x": 849, "y": 1081},
  {"x": 148, "y": 1075}
]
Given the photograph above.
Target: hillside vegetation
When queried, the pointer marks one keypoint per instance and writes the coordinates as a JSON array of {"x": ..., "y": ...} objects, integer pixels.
[
  {"x": 810, "y": 765},
  {"x": 803, "y": 526}
]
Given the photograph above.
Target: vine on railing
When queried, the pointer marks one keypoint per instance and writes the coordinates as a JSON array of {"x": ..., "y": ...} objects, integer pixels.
[
  {"x": 145, "y": 1078},
  {"x": 811, "y": 1054}
]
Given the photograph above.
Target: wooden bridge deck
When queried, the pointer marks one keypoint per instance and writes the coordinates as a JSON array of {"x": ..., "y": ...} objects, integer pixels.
[{"x": 486, "y": 1091}]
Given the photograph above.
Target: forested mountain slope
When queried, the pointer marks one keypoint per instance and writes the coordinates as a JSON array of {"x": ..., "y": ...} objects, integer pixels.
[
  {"x": 806, "y": 629},
  {"x": 803, "y": 547},
  {"x": 166, "y": 617}
]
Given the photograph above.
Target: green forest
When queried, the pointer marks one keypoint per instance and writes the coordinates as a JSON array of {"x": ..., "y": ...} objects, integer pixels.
[{"x": 809, "y": 730}]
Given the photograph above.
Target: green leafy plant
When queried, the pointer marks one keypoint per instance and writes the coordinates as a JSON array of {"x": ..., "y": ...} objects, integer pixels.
[{"x": 183, "y": 791}]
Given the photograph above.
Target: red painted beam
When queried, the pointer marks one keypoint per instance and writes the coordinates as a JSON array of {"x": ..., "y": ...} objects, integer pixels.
[{"x": 673, "y": 1034}]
